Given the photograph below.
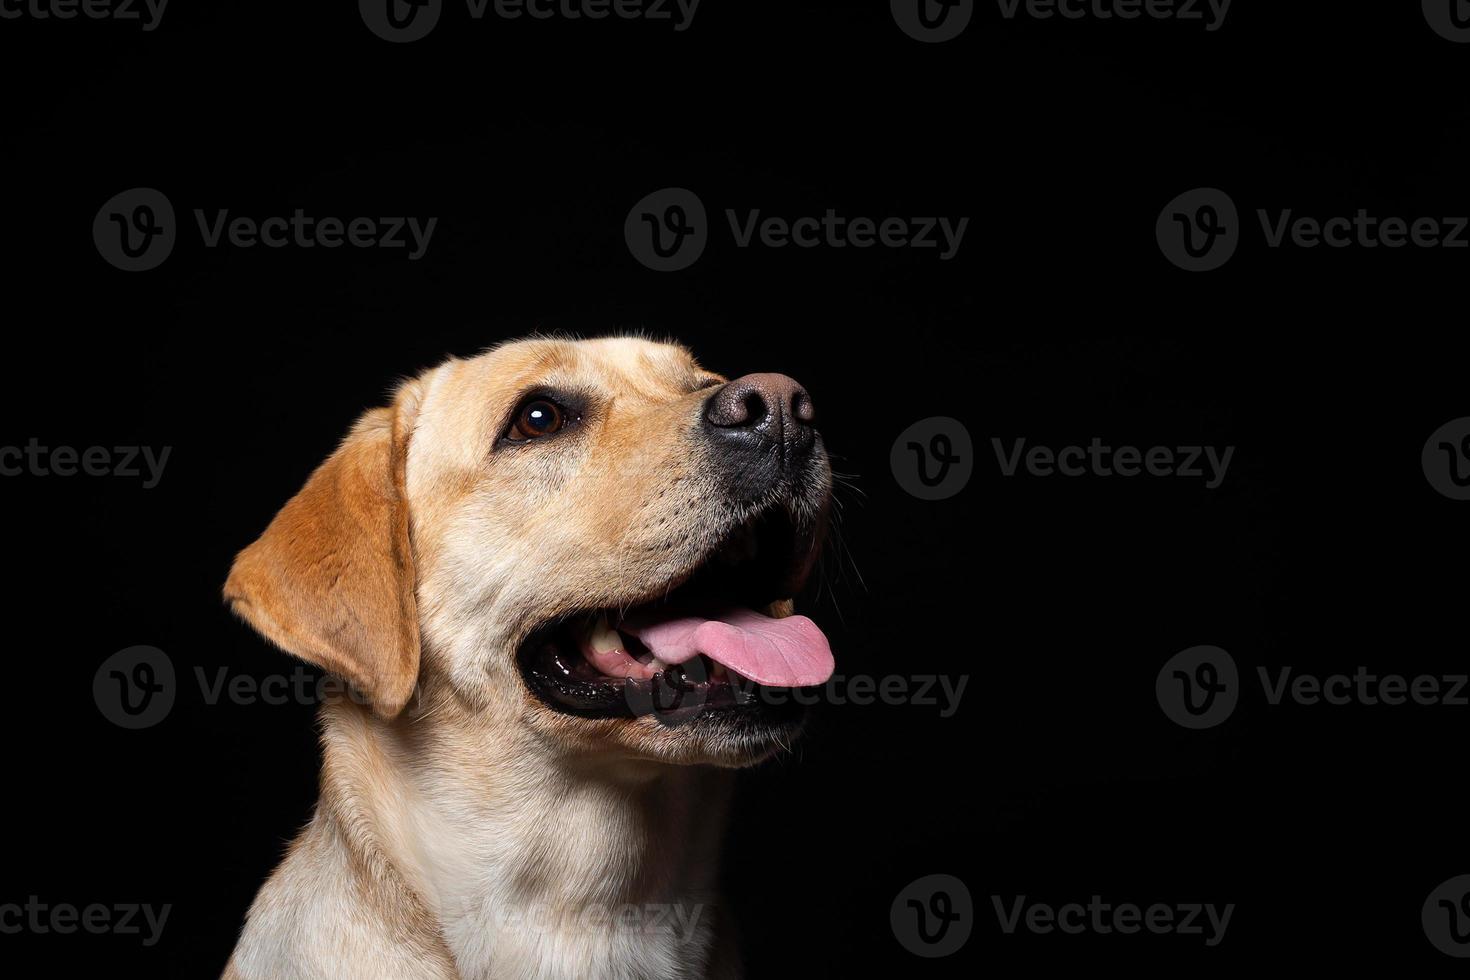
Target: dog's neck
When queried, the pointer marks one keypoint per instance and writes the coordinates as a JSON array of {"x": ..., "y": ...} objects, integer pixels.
[{"x": 526, "y": 858}]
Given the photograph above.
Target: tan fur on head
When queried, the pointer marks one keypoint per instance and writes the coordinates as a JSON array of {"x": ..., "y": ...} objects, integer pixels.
[{"x": 332, "y": 580}]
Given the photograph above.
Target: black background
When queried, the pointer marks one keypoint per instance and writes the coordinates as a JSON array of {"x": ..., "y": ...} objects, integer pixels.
[{"x": 1059, "y": 777}]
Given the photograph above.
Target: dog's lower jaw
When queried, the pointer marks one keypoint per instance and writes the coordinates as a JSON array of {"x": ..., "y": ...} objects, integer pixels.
[{"x": 436, "y": 856}]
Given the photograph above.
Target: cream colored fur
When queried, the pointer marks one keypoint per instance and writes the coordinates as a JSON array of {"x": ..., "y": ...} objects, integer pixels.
[{"x": 465, "y": 830}]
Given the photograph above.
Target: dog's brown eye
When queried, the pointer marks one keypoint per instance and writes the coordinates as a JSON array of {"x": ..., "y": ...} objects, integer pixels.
[{"x": 536, "y": 418}]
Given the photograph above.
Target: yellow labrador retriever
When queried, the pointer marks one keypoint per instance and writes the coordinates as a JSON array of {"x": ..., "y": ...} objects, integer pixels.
[{"x": 559, "y": 575}]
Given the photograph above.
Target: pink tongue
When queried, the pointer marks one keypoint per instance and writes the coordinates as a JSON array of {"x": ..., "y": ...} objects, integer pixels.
[{"x": 788, "y": 652}]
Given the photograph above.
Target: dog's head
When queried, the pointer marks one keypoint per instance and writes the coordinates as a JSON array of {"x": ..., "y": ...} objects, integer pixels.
[{"x": 597, "y": 540}]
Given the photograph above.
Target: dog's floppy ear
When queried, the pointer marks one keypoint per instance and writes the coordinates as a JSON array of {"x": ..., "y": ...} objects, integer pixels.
[{"x": 331, "y": 580}]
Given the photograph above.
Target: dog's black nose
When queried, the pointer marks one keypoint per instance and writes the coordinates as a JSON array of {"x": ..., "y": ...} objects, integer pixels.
[{"x": 763, "y": 409}]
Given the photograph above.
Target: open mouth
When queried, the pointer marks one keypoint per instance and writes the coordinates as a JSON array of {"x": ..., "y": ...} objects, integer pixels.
[{"x": 721, "y": 640}]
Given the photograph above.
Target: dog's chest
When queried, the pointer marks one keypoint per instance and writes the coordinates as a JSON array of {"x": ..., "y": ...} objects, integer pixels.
[
  {"x": 601, "y": 882},
  {"x": 500, "y": 939}
]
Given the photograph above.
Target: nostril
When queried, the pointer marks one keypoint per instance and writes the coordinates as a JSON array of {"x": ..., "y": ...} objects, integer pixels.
[
  {"x": 736, "y": 405},
  {"x": 802, "y": 408},
  {"x": 761, "y": 402},
  {"x": 754, "y": 405}
]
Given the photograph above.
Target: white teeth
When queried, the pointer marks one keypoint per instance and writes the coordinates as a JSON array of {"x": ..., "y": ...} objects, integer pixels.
[
  {"x": 603, "y": 638},
  {"x": 658, "y": 664}
]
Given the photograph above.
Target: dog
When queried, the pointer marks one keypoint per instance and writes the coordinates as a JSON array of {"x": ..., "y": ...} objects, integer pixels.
[{"x": 558, "y": 579}]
